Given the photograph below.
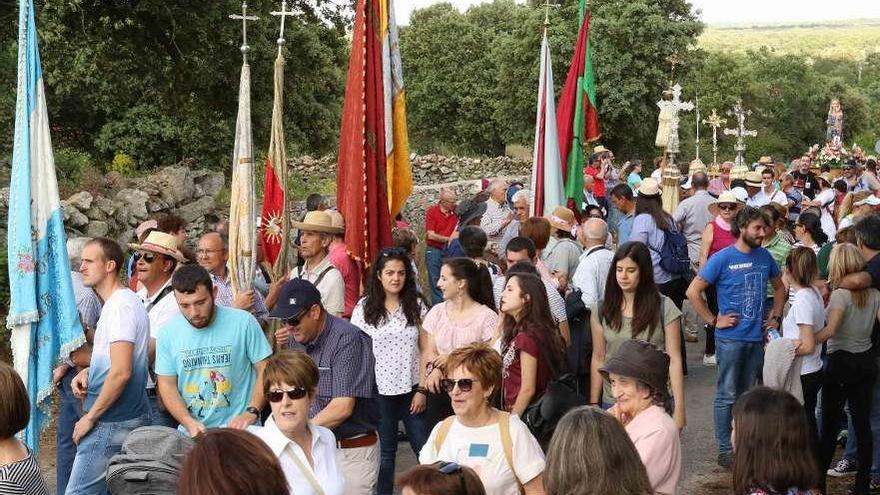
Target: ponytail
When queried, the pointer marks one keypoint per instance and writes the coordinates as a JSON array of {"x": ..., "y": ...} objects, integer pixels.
[{"x": 479, "y": 281}]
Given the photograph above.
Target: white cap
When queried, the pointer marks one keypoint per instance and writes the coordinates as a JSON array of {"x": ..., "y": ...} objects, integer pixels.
[
  {"x": 741, "y": 194},
  {"x": 870, "y": 201}
]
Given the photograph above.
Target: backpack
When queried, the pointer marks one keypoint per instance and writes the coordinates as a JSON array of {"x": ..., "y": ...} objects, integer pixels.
[
  {"x": 149, "y": 462},
  {"x": 674, "y": 252}
]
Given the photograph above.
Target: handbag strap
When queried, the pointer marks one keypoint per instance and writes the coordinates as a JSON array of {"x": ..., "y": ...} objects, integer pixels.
[{"x": 306, "y": 471}]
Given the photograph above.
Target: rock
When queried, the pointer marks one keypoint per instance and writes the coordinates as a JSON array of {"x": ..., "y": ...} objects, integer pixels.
[
  {"x": 97, "y": 229},
  {"x": 209, "y": 184},
  {"x": 74, "y": 217},
  {"x": 4, "y": 198},
  {"x": 134, "y": 204},
  {"x": 197, "y": 209},
  {"x": 105, "y": 206},
  {"x": 95, "y": 214},
  {"x": 82, "y": 200},
  {"x": 175, "y": 185}
]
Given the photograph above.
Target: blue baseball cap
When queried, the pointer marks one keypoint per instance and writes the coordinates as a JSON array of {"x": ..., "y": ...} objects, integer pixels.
[{"x": 296, "y": 296}]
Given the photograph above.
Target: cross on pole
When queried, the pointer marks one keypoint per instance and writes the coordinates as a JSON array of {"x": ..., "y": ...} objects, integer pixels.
[
  {"x": 244, "y": 18},
  {"x": 714, "y": 121},
  {"x": 740, "y": 132},
  {"x": 283, "y": 13},
  {"x": 673, "y": 60},
  {"x": 697, "y": 121},
  {"x": 547, "y": 4},
  {"x": 675, "y": 105}
]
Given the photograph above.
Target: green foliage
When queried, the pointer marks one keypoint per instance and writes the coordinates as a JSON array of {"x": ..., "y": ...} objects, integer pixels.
[
  {"x": 70, "y": 164},
  {"x": 123, "y": 164}
]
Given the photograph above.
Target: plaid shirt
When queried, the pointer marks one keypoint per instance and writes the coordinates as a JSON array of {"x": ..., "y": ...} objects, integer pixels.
[{"x": 224, "y": 296}]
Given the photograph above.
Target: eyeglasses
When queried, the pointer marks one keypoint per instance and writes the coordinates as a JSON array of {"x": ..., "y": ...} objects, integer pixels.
[
  {"x": 295, "y": 393},
  {"x": 452, "y": 468},
  {"x": 464, "y": 384},
  {"x": 206, "y": 252},
  {"x": 147, "y": 257},
  {"x": 727, "y": 207},
  {"x": 294, "y": 321}
]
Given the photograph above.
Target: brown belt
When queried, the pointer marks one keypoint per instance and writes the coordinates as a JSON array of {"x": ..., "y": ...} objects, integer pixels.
[{"x": 353, "y": 443}]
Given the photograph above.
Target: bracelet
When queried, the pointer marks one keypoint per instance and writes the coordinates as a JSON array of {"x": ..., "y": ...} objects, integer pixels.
[{"x": 420, "y": 390}]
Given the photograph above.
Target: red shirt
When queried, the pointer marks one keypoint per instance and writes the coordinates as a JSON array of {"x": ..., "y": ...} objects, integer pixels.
[
  {"x": 440, "y": 223},
  {"x": 598, "y": 184},
  {"x": 351, "y": 276},
  {"x": 512, "y": 370}
]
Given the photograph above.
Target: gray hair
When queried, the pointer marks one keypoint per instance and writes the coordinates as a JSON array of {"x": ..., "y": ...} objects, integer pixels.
[
  {"x": 595, "y": 229},
  {"x": 496, "y": 183},
  {"x": 700, "y": 180},
  {"x": 75, "y": 246},
  {"x": 521, "y": 194},
  {"x": 448, "y": 193}
]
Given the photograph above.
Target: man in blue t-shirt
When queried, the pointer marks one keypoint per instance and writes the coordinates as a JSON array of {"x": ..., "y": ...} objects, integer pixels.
[
  {"x": 210, "y": 358},
  {"x": 740, "y": 274}
]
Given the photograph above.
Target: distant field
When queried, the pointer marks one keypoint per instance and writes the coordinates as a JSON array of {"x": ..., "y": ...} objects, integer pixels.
[{"x": 851, "y": 40}]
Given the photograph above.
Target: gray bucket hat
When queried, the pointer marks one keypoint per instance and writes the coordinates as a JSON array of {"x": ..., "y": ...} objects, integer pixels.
[{"x": 642, "y": 361}]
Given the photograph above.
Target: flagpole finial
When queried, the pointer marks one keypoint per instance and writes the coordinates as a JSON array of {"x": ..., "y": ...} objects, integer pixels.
[
  {"x": 547, "y": 5},
  {"x": 283, "y": 14},
  {"x": 245, "y": 48}
]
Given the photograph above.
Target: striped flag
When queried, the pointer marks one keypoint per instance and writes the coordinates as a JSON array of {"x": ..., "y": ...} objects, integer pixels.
[
  {"x": 275, "y": 223},
  {"x": 547, "y": 185},
  {"x": 42, "y": 315},
  {"x": 242, "y": 210}
]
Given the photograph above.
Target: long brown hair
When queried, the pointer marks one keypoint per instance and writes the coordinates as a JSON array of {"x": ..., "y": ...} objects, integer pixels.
[
  {"x": 646, "y": 314},
  {"x": 15, "y": 409},
  {"x": 536, "y": 321},
  {"x": 591, "y": 454},
  {"x": 228, "y": 461},
  {"x": 428, "y": 479},
  {"x": 654, "y": 207},
  {"x": 769, "y": 457}
]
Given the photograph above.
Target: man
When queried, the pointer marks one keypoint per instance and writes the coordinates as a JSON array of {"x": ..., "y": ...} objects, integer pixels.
[
  {"x": 498, "y": 215},
  {"x": 156, "y": 258},
  {"x": 763, "y": 191},
  {"x": 804, "y": 179},
  {"x": 210, "y": 359},
  {"x": 722, "y": 182},
  {"x": 113, "y": 386},
  {"x": 348, "y": 268},
  {"x": 440, "y": 222},
  {"x": 317, "y": 232},
  {"x": 622, "y": 199},
  {"x": 740, "y": 273},
  {"x": 857, "y": 181},
  {"x": 522, "y": 249},
  {"x": 346, "y": 398},
  {"x": 596, "y": 169},
  {"x": 520, "y": 202},
  {"x": 692, "y": 215},
  {"x": 213, "y": 256},
  {"x": 592, "y": 270},
  {"x": 176, "y": 226},
  {"x": 589, "y": 192}
]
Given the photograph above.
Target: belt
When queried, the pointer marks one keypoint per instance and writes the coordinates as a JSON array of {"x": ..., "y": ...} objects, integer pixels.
[{"x": 361, "y": 441}]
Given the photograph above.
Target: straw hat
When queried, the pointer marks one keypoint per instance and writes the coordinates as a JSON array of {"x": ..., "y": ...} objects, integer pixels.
[
  {"x": 336, "y": 220},
  {"x": 649, "y": 187},
  {"x": 145, "y": 226},
  {"x": 753, "y": 179},
  {"x": 827, "y": 178},
  {"x": 318, "y": 221},
  {"x": 160, "y": 243},
  {"x": 562, "y": 219},
  {"x": 765, "y": 160},
  {"x": 726, "y": 197},
  {"x": 600, "y": 149},
  {"x": 696, "y": 165}
]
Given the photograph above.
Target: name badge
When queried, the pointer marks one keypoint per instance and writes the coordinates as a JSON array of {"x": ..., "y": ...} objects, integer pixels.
[{"x": 479, "y": 450}]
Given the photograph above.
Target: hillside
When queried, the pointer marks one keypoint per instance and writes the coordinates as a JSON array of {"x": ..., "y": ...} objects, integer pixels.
[{"x": 852, "y": 40}]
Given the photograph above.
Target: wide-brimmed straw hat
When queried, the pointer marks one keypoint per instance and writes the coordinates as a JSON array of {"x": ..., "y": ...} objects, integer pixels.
[
  {"x": 642, "y": 361},
  {"x": 827, "y": 178},
  {"x": 649, "y": 187},
  {"x": 318, "y": 221},
  {"x": 753, "y": 179},
  {"x": 562, "y": 219},
  {"x": 726, "y": 197},
  {"x": 600, "y": 149},
  {"x": 765, "y": 160},
  {"x": 161, "y": 243},
  {"x": 336, "y": 220}
]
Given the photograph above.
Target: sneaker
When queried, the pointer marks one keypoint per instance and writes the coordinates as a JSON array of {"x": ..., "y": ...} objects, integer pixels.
[
  {"x": 709, "y": 360},
  {"x": 845, "y": 467},
  {"x": 725, "y": 460}
]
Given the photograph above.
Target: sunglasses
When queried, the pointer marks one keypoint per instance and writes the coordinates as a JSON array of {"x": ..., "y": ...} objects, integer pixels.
[
  {"x": 295, "y": 393},
  {"x": 294, "y": 321},
  {"x": 727, "y": 207},
  {"x": 395, "y": 251},
  {"x": 147, "y": 257},
  {"x": 464, "y": 384}
]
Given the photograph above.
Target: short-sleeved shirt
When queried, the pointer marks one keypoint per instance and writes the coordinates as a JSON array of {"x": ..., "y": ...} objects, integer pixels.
[
  {"x": 692, "y": 215},
  {"x": 741, "y": 280},
  {"x": 557, "y": 303},
  {"x": 395, "y": 348},
  {"x": 647, "y": 232},
  {"x": 440, "y": 223},
  {"x": 633, "y": 180},
  {"x": 562, "y": 255},
  {"x": 779, "y": 249},
  {"x": 657, "y": 441},
  {"x": 214, "y": 365},
  {"x": 762, "y": 198},
  {"x": 451, "y": 334},
  {"x": 351, "y": 276},
  {"x": 806, "y": 309},
  {"x": 598, "y": 184},
  {"x": 624, "y": 227},
  {"x": 480, "y": 449},
  {"x": 854, "y": 333},
  {"x": 123, "y": 319},
  {"x": 161, "y": 308},
  {"x": 346, "y": 368},
  {"x": 511, "y": 373},
  {"x": 331, "y": 284},
  {"x": 805, "y": 183}
]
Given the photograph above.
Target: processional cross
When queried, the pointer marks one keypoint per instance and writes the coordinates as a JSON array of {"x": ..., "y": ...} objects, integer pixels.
[
  {"x": 283, "y": 13},
  {"x": 244, "y": 18},
  {"x": 697, "y": 120},
  {"x": 714, "y": 121},
  {"x": 740, "y": 132},
  {"x": 674, "y": 106}
]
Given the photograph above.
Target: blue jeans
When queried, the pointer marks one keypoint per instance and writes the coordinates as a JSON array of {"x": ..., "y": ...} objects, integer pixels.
[
  {"x": 89, "y": 473},
  {"x": 874, "y": 416},
  {"x": 434, "y": 261},
  {"x": 739, "y": 366},
  {"x": 393, "y": 409},
  {"x": 69, "y": 412},
  {"x": 157, "y": 416}
]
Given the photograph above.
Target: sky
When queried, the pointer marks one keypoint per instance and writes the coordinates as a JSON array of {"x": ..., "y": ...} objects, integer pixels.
[{"x": 727, "y": 11}]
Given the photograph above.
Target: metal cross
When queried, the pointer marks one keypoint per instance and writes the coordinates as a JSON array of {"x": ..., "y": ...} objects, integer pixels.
[
  {"x": 714, "y": 121},
  {"x": 697, "y": 141},
  {"x": 740, "y": 132},
  {"x": 244, "y": 18},
  {"x": 673, "y": 60},
  {"x": 675, "y": 105},
  {"x": 284, "y": 13},
  {"x": 547, "y": 4}
]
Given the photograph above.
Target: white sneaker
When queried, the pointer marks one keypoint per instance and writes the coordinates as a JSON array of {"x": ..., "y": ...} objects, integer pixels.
[{"x": 709, "y": 360}]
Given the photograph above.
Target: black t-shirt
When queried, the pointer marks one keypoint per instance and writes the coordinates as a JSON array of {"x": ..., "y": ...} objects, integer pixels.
[
  {"x": 805, "y": 182},
  {"x": 873, "y": 269}
]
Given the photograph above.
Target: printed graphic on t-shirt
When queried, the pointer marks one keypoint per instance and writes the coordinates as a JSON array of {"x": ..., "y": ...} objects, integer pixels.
[{"x": 208, "y": 389}]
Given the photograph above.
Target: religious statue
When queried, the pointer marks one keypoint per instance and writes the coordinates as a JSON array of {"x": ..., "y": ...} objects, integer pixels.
[
  {"x": 834, "y": 123},
  {"x": 663, "y": 122}
]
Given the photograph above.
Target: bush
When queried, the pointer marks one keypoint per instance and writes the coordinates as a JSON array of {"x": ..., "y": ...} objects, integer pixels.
[
  {"x": 70, "y": 164},
  {"x": 123, "y": 164}
]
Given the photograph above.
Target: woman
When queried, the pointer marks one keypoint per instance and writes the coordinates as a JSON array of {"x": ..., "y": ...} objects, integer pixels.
[
  {"x": 805, "y": 318},
  {"x": 808, "y": 232},
  {"x": 19, "y": 470},
  {"x": 633, "y": 173},
  {"x": 478, "y": 429},
  {"x": 773, "y": 449},
  {"x": 716, "y": 237},
  {"x": 856, "y": 205},
  {"x": 473, "y": 241},
  {"x": 306, "y": 451},
  {"x": 824, "y": 201},
  {"x": 531, "y": 348},
  {"x": 228, "y": 461},
  {"x": 538, "y": 230},
  {"x": 391, "y": 313},
  {"x": 466, "y": 315},
  {"x": 446, "y": 478},
  {"x": 563, "y": 252},
  {"x": 638, "y": 374},
  {"x": 775, "y": 242},
  {"x": 591, "y": 454},
  {"x": 617, "y": 319},
  {"x": 849, "y": 368}
]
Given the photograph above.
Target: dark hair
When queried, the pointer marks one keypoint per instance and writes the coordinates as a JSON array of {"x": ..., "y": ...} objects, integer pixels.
[
  {"x": 473, "y": 241},
  {"x": 744, "y": 217},
  {"x": 646, "y": 314},
  {"x": 774, "y": 212},
  {"x": 868, "y": 232},
  {"x": 537, "y": 321},
  {"x": 537, "y": 229},
  {"x": 768, "y": 456},
  {"x": 518, "y": 244},
  {"x": 404, "y": 239},
  {"x": 188, "y": 278},
  {"x": 428, "y": 479},
  {"x": 700, "y": 180},
  {"x": 479, "y": 282},
  {"x": 738, "y": 183},
  {"x": 170, "y": 224},
  {"x": 231, "y": 461},
  {"x": 813, "y": 225},
  {"x": 840, "y": 186},
  {"x": 653, "y": 206},
  {"x": 15, "y": 408},
  {"x": 768, "y": 170},
  {"x": 375, "y": 313},
  {"x": 589, "y": 209},
  {"x": 846, "y": 235},
  {"x": 522, "y": 267},
  {"x": 622, "y": 191},
  {"x": 111, "y": 251},
  {"x": 313, "y": 201}
]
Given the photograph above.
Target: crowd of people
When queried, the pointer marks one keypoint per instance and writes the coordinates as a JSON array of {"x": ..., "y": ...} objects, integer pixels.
[{"x": 301, "y": 384}]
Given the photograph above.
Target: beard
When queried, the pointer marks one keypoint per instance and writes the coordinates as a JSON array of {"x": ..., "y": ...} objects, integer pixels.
[
  {"x": 200, "y": 323},
  {"x": 752, "y": 242}
]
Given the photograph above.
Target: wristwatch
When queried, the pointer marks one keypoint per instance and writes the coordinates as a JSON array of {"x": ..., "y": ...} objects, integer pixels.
[{"x": 253, "y": 410}]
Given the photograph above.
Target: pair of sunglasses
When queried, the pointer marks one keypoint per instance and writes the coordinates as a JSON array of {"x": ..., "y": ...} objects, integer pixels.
[
  {"x": 727, "y": 207},
  {"x": 395, "y": 251},
  {"x": 295, "y": 393},
  {"x": 147, "y": 257},
  {"x": 464, "y": 384},
  {"x": 294, "y": 321}
]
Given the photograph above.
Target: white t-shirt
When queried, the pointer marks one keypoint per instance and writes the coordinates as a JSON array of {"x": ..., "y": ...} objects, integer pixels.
[
  {"x": 480, "y": 449},
  {"x": 826, "y": 199},
  {"x": 806, "y": 309},
  {"x": 160, "y": 312}
]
